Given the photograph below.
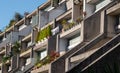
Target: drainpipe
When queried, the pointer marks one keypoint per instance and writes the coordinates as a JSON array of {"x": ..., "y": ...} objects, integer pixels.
[{"x": 84, "y": 7}]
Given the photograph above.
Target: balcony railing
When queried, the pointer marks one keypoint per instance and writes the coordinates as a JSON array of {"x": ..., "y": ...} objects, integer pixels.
[
  {"x": 68, "y": 25},
  {"x": 43, "y": 64},
  {"x": 25, "y": 31},
  {"x": 42, "y": 69},
  {"x": 25, "y": 52},
  {"x": 10, "y": 38}
]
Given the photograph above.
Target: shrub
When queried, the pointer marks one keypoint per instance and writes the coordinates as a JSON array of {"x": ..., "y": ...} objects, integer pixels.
[
  {"x": 5, "y": 58},
  {"x": 46, "y": 32}
]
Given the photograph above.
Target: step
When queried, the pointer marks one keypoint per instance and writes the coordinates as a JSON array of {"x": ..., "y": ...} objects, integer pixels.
[
  {"x": 89, "y": 52},
  {"x": 108, "y": 46}
]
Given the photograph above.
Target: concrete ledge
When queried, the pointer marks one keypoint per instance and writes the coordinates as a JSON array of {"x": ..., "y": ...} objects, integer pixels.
[
  {"x": 27, "y": 37},
  {"x": 2, "y": 52},
  {"x": 26, "y": 53},
  {"x": 41, "y": 44},
  {"x": 70, "y": 32},
  {"x": 114, "y": 10},
  {"x": 83, "y": 55},
  {"x": 0, "y": 64},
  {"x": 42, "y": 69}
]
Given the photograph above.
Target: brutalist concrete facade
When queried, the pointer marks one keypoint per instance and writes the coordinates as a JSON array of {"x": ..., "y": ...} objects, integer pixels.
[{"x": 85, "y": 33}]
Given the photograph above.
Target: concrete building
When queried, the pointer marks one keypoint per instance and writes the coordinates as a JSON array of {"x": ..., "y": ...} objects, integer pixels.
[{"x": 63, "y": 36}]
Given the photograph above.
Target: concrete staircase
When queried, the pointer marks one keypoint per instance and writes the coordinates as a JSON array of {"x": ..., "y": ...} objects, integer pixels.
[
  {"x": 59, "y": 66},
  {"x": 74, "y": 60},
  {"x": 87, "y": 59}
]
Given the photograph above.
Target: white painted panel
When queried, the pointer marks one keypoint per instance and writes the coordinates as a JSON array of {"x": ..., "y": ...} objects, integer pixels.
[
  {"x": 43, "y": 54},
  {"x": 73, "y": 42},
  {"x": 28, "y": 61}
]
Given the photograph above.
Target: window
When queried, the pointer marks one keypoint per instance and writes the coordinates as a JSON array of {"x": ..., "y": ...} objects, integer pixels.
[
  {"x": 28, "y": 61},
  {"x": 117, "y": 26},
  {"x": 42, "y": 54},
  {"x": 29, "y": 43},
  {"x": 74, "y": 41}
]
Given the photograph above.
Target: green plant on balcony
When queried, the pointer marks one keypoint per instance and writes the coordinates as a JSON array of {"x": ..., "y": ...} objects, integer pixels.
[
  {"x": 67, "y": 25},
  {"x": 79, "y": 19},
  {"x": 5, "y": 58},
  {"x": 45, "y": 33},
  {"x": 71, "y": 24},
  {"x": 48, "y": 59},
  {"x": 16, "y": 48}
]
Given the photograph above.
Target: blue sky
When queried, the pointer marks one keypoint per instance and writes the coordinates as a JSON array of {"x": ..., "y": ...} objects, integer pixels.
[{"x": 9, "y": 7}]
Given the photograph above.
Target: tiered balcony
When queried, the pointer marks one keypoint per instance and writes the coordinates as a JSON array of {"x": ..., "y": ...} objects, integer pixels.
[
  {"x": 44, "y": 64},
  {"x": 71, "y": 34},
  {"x": 70, "y": 29},
  {"x": 2, "y": 51},
  {"x": 10, "y": 38},
  {"x": 52, "y": 13},
  {"x": 44, "y": 68},
  {"x": 114, "y": 10},
  {"x": 42, "y": 37},
  {"x": 26, "y": 30},
  {"x": 25, "y": 52}
]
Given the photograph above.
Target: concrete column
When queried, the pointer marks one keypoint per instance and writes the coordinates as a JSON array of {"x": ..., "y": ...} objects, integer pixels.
[
  {"x": 54, "y": 24},
  {"x": 34, "y": 57},
  {"x": 1, "y": 58},
  {"x": 4, "y": 68},
  {"x": 77, "y": 11},
  {"x": 51, "y": 44},
  {"x": 82, "y": 31},
  {"x": 67, "y": 64},
  {"x": 72, "y": 10},
  {"x": 14, "y": 62},
  {"x": 22, "y": 62},
  {"x": 102, "y": 28},
  {"x": 32, "y": 38},
  {"x": 38, "y": 16},
  {"x": 23, "y": 45},
  {"x": 57, "y": 43},
  {"x": 31, "y": 53},
  {"x": 5, "y": 49}
]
